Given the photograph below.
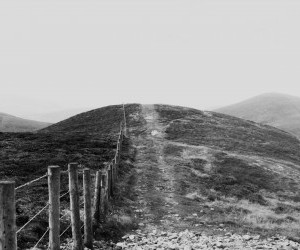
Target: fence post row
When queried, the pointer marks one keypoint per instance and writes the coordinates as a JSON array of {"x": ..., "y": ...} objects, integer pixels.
[
  {"x": 104, "y": 189},
  {"x": 54, "y": 207},
  {"x": 8, "y": 236},
  {"x": 75, "y": 209}
]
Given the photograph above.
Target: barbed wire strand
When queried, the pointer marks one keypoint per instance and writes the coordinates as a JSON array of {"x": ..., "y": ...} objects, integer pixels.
[
  {"x": 81, "y": 229},
  {"x": 35, "y": 246},
  {"x": 65, "y": 215},
  {"x": 64, "y": 195},
  {"x": 30, "y": 182},
  {"x": 36, "y": 215},
  {"x": 65, "y": 230}
]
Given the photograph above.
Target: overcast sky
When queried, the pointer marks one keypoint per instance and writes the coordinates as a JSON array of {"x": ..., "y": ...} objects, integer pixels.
[{"x": 61, "y": 54}]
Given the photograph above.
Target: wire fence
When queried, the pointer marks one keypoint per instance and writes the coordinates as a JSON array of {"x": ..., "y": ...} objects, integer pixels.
[{"x": 95, "y": 210}]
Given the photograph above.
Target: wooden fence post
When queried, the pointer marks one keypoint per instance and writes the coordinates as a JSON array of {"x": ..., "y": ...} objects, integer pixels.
[
  {"x": 125, "y": 125},
  {"x": 54, "y": 207},
  {"x": 104, "y": 200},
  {"x": 116, "y": 167},
  {"x": 97, "y": 197},
  {"x": 121, "y": 136},
  {"x": 8, "y": 238},
  {"x": 75, "y": 210},
  {"x": 111, "y": 176},
  {"x": 88, "y": 227},
  {"x": 109, "y": 181},
  {"x": 119, "y": 155}
]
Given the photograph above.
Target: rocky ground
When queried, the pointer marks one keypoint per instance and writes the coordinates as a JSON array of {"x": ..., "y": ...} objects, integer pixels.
[{"x": 188, "y": 240}]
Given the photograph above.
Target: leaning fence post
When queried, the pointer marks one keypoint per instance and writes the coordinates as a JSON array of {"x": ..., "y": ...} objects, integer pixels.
[
  {"x": 8, "y": 238},
  {"x": 54, "y": 207},
  {"x": 74, "y": 200},
  {"x": 97, "y": 197}
]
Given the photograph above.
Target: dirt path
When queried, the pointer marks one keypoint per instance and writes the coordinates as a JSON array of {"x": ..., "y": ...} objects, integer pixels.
[{"x": 156, "y": 181}]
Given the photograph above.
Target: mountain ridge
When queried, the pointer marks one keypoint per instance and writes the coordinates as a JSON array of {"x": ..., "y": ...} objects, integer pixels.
[
  {"x": 274, "y": 109},
  {"x": 11, "y": 123}
]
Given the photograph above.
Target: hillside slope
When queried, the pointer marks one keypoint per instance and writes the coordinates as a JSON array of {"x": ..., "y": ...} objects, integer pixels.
[
  {"x": 89, "y": 139},
  {"x": 182, "y": 169},
  {"x": 278, "y": 110},
  {"x": 213, "y": 173},
  {"x": 9, "y": 123},
  {"x": 102, "y": 120}
]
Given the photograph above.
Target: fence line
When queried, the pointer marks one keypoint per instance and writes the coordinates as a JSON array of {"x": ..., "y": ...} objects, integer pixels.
[{"x": 105, "y": 184}]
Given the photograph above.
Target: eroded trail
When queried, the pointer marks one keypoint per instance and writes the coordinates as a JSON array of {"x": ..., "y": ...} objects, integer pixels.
[{"x": 156, "y": 182}]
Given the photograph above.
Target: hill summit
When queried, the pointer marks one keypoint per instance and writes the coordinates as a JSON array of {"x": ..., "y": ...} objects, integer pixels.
[{"x": 274, "y": 109}]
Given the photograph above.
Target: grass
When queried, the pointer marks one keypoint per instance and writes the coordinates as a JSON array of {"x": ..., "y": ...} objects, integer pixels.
[
  {"x": 228, "y": 133},
  {"x": 227, "y": 170},
  {"x": 89, "y": 139},
  {"x": 236, "y": 172}
]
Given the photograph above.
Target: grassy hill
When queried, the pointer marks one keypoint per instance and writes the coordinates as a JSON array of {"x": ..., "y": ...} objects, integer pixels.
[
  {"x": 238, "y": 173},
  {"x": 278, "y": 110},
  {"x": 89, "y": 139},
  {"x": 9, "y": 123}
]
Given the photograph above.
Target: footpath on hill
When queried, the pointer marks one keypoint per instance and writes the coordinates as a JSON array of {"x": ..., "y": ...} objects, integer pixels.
[{"x": 166, "y": 220}]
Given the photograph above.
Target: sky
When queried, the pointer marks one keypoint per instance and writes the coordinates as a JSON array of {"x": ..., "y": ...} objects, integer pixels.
[{"x": 72, "y": 54}]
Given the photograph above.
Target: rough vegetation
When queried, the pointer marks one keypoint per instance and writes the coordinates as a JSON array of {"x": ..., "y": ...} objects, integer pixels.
[
  {"x": 26, "y": 156},
  {"x": 217, "y": 176},
  {"x": 238, "y": 168}
]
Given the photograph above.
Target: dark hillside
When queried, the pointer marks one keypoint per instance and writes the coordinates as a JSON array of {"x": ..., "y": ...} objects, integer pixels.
[
  {"x": 88, "y": 138},
  {"x": 102, "y": 121}
]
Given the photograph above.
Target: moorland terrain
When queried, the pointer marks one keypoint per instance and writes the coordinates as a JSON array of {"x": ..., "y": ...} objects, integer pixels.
[{"x": 182, "y": 169}]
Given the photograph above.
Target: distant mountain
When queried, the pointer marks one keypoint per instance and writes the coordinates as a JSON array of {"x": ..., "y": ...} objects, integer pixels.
[
  {"x": 9, "y": 123},
  {"x": 57, "y": 116},
  {"x": 278, "y": 110}
]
